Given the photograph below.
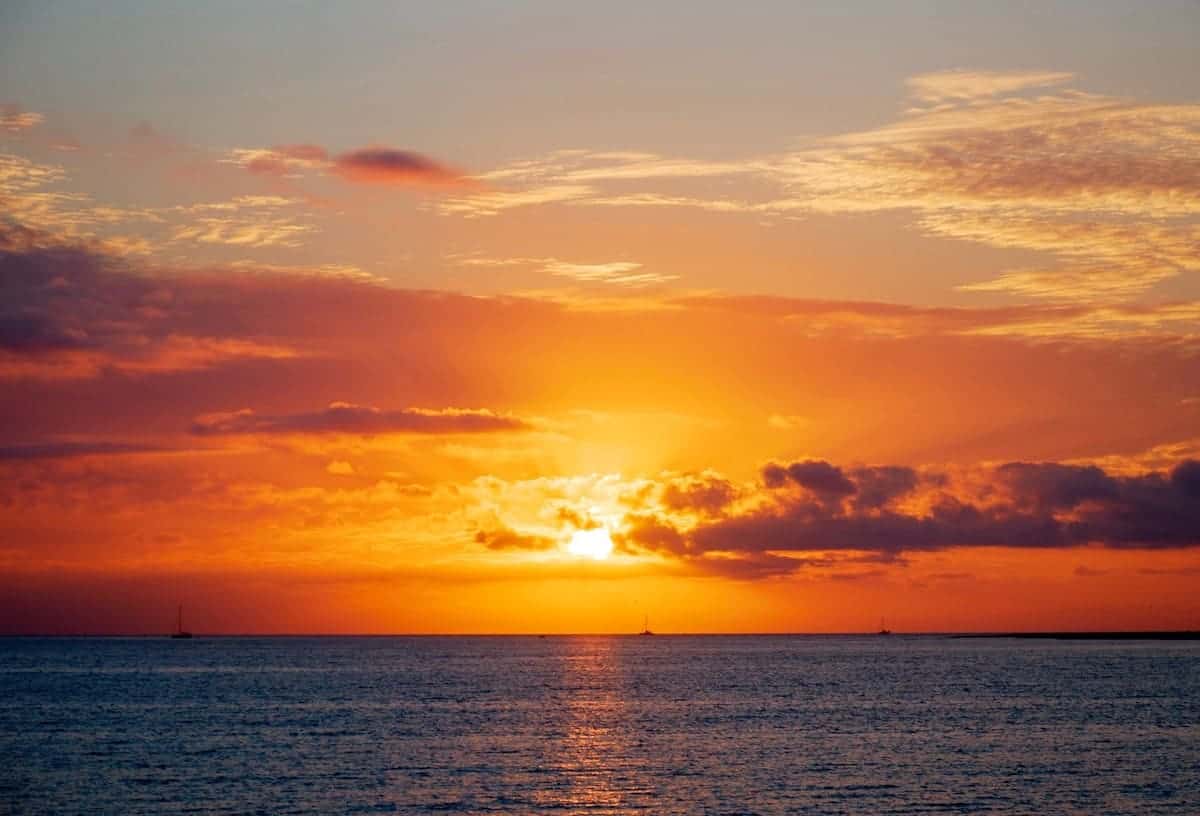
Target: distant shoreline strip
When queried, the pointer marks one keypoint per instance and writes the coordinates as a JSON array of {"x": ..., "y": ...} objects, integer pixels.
[{"x": 1183, "y": 635}]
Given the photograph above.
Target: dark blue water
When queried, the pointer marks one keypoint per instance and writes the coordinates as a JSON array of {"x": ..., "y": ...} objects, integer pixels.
[{"x": 599, "y": 725}]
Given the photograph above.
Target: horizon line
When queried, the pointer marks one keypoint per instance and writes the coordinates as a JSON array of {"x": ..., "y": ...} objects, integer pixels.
[{"x": 1030, "y": 633}]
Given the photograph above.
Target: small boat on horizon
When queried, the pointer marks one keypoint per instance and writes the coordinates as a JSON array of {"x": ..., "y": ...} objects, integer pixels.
[
  {"x": 645, "y": 627},
  {"x": 180, "y": 633},
  {"x": 883, "y": 630}
]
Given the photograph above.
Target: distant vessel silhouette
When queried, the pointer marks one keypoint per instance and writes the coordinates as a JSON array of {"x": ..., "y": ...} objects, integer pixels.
[
  {"x": 883, "y": 630},
  {"x": 646, "y": 627},
  {"x": 180, "y": 633}
]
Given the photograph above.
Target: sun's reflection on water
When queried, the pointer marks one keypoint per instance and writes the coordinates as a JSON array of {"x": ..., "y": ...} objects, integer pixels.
[{"x": 592, "y": 755}]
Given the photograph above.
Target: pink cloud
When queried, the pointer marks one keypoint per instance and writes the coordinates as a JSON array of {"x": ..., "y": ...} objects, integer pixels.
[{"x": 385, "y": 165}]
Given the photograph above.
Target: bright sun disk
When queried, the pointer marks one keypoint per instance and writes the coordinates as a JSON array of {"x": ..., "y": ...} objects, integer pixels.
[{"x": 596, "y": 544}]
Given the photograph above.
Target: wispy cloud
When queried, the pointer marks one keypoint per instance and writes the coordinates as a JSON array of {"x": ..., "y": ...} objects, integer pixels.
[
  {"x": 15, "y": 120},
  {"x": 494, "y": 202},
  {"x": 30, "y": 196},
  {"x": 248, "y": 221},
  {"x": 615, "y": 273},
  {"x": 618, "y": 273},
  {"x": 1106, "y": 189},
  {"x": 348, "y": 418},
  {"x": 283, "y": 160},
  {"x": 957, "y": 86}
]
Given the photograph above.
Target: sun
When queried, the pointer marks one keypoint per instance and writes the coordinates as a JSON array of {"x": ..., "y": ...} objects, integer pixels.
[{"x": 595, "y": 544}]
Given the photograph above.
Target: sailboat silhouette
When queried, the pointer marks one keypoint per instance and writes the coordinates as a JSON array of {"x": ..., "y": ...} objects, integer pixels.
[
  {"x": 646, "y": 627},
  {"x": 883, "y": 630},
  {"x": 180, "y": 633}
]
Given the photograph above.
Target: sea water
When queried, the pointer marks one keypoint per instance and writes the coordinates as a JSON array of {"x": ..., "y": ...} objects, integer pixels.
[{"x": 721, "y": 725}]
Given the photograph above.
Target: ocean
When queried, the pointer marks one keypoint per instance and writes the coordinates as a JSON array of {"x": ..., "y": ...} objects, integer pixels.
[{"x": 599, "y": 725}]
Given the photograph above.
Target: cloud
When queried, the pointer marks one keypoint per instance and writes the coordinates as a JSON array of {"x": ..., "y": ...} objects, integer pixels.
[
  {"x": 1095, "y": 321},
  {"x": 504, "y": 538},
  {"x": 37, "y": 333},
  {"x": 706, "y": 493},
  {"x": 265, "y": 232},
  {"x": 821, "y": 478},
  {"x": 365, "y": 165},
  {"x": 71, "y": 313},
  {"x": 252, "y": 221},
  {"x": 493, "y": 202},
  {"x": 347, "y": 418},
  {"x": 876, "y": 487},
  {"x": 15, "y": 120},
  {"x": 944, "y": 86},
  {"x": 340, "y": 468},
  {"x": 282, "y": 160},
  {"x": 32, "y": 203},
  {"x": 614, "y": 273},
  {"x": 385, "y": 165},
  {"x": 1105, "y": 189},
  {"x": 71, "y": 450},
  {"x": 617, "y": 273},
  {"x": 813, "y": 508}
]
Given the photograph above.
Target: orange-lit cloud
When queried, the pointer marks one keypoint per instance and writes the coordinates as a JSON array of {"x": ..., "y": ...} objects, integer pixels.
[
  {"x": 651, "y": 423},
  {"x": 954, "y": 86}
]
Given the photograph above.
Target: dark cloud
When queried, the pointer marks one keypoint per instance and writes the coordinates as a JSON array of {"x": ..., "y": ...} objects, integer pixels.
[
  {"x": 1020, "y": 504},
  {"x": 68, "y": 312},
  {"x": 1186, "y": 479},
  {"x": 344, "y": 417},
  {"x": 59, "y": 298},
  {"x": 385, "y": 165},
  {"x": 878, "y": 486},
  {"x": 504, "y": 538},
  {"x": 367, "y": 165},
  {"x": 35, "y": 332},
  {"x": 66, "y": 450},
  {"x": 705, "y": 493},
  {"x": 821, "y": 478},
  {"x": 1049, "y": 486},
  {"x": 648, "y": 532}
]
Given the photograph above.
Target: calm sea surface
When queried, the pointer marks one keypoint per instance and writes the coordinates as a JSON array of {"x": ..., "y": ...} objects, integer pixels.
[{"x": 729, "y": 725}]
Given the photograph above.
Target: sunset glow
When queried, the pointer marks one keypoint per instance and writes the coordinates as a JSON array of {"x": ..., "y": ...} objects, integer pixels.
[{"x": 514, "y": 319}]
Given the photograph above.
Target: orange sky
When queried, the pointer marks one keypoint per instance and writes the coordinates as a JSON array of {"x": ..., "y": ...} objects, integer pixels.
[{"x": 934, "y": 362}]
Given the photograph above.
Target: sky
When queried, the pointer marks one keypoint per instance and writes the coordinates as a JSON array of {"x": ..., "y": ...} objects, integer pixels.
[{"x": 532, "y": 317}]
